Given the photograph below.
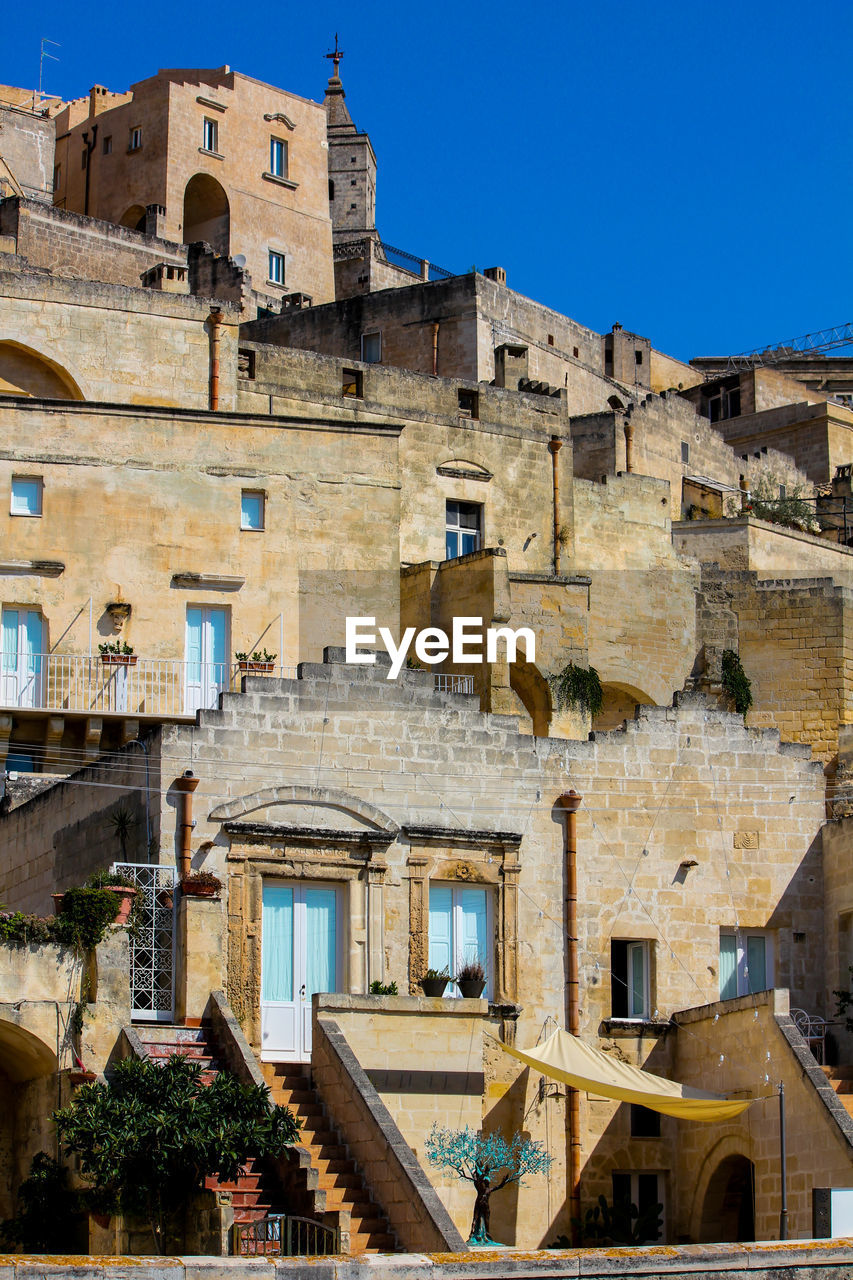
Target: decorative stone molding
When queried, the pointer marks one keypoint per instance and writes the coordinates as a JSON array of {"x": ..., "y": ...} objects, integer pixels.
[
  {"x": 325, "y": 797},
  {"x": 491, "y": 859},
  {"x": 36, "y": 568},
  {"x": 207, "y": 581}
]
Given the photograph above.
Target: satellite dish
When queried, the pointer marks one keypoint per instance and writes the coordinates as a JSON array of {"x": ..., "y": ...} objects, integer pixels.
[{"x": 240, "y": 260}]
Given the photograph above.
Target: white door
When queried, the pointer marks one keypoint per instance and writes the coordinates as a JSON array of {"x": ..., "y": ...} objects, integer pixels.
[
  {"x": 207, "y": 665},
  {"x": 300, "y": 954},
  {"x": 21, "y": 665}
]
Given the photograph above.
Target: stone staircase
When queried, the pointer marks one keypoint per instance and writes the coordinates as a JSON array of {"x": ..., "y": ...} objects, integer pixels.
[
  {"x": 841, "y": 1079},
  {"x": 338, "y": 1178},
  {"x": 256, "y": 1192}
]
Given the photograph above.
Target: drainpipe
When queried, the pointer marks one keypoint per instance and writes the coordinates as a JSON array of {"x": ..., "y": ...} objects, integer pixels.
[
  {"x": 554, "y": 446},
  {"x": 186, "y": 785},
  {"x": 570, "y": 801},
  {"x": 90, "y": 147},
  {"x": 215, "y": 322},
  {"x": 435, "y": 349}
]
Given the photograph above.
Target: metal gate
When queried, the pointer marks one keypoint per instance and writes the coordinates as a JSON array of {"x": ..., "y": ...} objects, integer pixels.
[{"x": 152, "y": 942}]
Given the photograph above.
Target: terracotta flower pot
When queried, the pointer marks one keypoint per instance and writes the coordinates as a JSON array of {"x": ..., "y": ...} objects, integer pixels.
[
  {"x": 78, "y": 1076},
  {"x": 190, "y": 889},
  {"x": 125, "y": 894},
  {"x": 264, "y": 667},
  {"x": 119, "y": 659}
]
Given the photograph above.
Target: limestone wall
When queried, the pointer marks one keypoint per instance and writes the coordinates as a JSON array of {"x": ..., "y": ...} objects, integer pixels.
[
  {"x": 770, "y": 550},
  {"x": 158, "y": 344},
  {"x": 26, "y": 153}
]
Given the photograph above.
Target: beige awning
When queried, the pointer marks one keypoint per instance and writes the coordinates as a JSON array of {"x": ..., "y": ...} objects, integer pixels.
[{"x": 566, "y": 1058}]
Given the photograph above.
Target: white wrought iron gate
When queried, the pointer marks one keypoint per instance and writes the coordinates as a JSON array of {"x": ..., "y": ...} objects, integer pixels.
[{"x": 152, "y": 942}]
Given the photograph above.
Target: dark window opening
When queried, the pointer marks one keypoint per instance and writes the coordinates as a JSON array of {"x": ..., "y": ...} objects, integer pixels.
[
  {"x": 331, "y": 189},
  {"x": 469, "y": 404},
  {"x": 638, "y": 357},
  {"x": 644, "y": 1123},
  {"x": 245, "y": 363},
  {"x": 550, "y": 339},
  {"x": 685, "y": 451},
  {"x": 352, "y": 383},
  {"x": 575, "y": 352}
]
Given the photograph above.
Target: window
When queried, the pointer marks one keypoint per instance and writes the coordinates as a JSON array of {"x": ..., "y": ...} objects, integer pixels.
[
  {"x": 57, "y": 177},
  {"x": 135, "y": 139},
  {"x": 107, "y": 145},
  {"x": 26, "y": 496},
  {"x": 459, "y": 929},
  {"x": 278, "y": 157},
  {"x": 746, "y": 963},
  {"x": 371, "y": 348},
  {"x": 685, "y": 451},
  {"x": 276, "y": 267},
  {"x": 645, "y": 1190},
  {"x": 210, "y": 135},
  {"x": 331, "y": 189},
  {"x": 469, "y": 404},
  {"x": 245, "y": 363},
  {"x": 252, "y": 509},
  {"x": 352, "y": 383},
  {"x": 638, "y": 357},
  {"x": 725, "y": 404},
  {"x": 629, "y": 980},
  {"x": 550, "y": 339},
  {"x": 644, "y": 1123},
  {"x": 575, "y": 352},
  {"x": 83, "y": 158},
  {"x": 462, "y": 528}
]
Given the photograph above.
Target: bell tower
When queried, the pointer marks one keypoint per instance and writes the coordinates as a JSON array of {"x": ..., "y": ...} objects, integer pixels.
[{"x": 352, "y": 164}]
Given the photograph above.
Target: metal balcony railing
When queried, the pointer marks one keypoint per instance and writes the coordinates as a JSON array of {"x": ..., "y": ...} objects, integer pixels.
[
  {"x": 96, "y": 685},
  {"x": 454, "y": 684}
]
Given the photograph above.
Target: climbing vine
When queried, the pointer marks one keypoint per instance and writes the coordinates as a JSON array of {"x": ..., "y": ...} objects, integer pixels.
[{"x": 735, "y": 682}]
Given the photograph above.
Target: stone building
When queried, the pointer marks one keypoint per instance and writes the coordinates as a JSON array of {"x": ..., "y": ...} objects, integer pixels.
[{"x": 218, "y": 493}]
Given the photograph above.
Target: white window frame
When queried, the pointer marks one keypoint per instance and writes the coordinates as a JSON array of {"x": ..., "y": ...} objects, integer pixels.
[
  {"x": 366, "y": 343},
  {"x": 279, "y": 158},
  {"x": 245, "y": 523},
  {"x": 635, "y": 948},
  {"x": 457, "y": 942},
  {"x": 742, "y": 937},
  {"x": 210, "y": 135},
  {"x": 463, "y": 530},
  {"x": 135, "y": 142},
  {"x": 18, "y": 508},
  {"x": 276, "y": 267}
]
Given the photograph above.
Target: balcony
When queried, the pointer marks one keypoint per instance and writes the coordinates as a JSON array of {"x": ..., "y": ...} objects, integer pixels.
[{"x": 159, "y": 688}]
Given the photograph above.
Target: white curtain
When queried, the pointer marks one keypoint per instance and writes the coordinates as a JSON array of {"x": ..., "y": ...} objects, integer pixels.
[{"x": 277, "y": 944}]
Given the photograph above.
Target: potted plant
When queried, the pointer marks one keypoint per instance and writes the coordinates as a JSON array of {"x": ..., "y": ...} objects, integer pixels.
[
  {"x": 378, "y": 988},
  {"x": 119, "y": 884},
  {"x": 434, "y": 981},
  {"x": 114, "y": 654},
  {"x": 260, "y": 660},
  {"x": 201, "y": 884},
  {"x": 471, "y": 979}
]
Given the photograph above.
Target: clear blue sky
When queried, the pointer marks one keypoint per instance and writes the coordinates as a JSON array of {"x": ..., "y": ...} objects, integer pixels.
[{"x": 681, "y": 167}]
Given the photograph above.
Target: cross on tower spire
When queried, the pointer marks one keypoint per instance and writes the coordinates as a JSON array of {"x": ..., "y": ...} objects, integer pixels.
[{"x": 336, "y": 56}]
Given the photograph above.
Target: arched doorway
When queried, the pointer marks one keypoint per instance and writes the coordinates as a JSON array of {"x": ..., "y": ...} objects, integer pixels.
[
  {"x": 620, "y": 702},
  {"x": 206, "y": 213},
  {"x": 728, "y": 1210},
  {"x": 134, "y": 217}
]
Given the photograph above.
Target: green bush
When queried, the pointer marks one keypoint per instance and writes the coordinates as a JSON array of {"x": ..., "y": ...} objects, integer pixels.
[
  {"x": 735, "y": 682},
  {"x": 579, "y": 688}
]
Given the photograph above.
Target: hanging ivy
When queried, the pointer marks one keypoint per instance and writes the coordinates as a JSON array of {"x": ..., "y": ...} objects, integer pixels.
[
  {"x": 735, "y": 682},
  {"x": 578, "y": 688}
]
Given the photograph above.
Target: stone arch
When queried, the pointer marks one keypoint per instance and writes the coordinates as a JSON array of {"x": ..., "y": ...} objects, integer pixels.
[
  {"x": 206, "y": 213},
  {"x": 24, "y": 371},
  {"x": 323, "y": 797},
  {"x": 134, "y": 218},
  {"x": 23, "y": 1055},
  {"x": 534, "y": 692},
  {"x": 718, "y": 1196},
  {"x": 620, "y": 702},
  {"x": 616, "y": 404}
]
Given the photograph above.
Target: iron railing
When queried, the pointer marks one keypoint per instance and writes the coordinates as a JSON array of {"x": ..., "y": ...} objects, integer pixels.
[
  {"x": 454, "y": 684},
  {"x": 284, "y": 1235},
  {"x": 96, "y": 685},
  {"x": 411, "y": 262}
]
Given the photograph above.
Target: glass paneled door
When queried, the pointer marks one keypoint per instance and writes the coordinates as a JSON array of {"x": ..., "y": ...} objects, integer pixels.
[
  {"x": 300, "y": 954},
  {"x": 207, "y": 665},
  {"x": 21, "y": 661}
]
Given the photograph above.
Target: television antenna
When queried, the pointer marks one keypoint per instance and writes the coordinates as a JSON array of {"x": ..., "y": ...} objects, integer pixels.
[{"x": 44, "y": 54}]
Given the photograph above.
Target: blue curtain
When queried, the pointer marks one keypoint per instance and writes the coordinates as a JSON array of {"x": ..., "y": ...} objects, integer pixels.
[
  {"x": 321, "y": 927},
  {"x": 277, "y": 943}
]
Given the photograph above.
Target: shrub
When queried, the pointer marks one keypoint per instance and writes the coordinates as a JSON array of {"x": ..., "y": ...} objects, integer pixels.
[
  {"x": 735, "y": 682},
  {"x": 579, "y": 688}
]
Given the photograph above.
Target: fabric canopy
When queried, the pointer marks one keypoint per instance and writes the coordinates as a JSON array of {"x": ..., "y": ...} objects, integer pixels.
[{"x": 566, "y": 1058}]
